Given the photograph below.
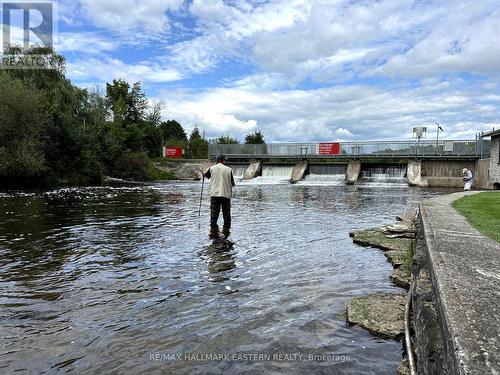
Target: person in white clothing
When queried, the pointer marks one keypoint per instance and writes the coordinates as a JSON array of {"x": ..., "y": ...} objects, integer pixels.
[
  {"x": 221, "y": 187},
  {"x": 468, "y": 178}
]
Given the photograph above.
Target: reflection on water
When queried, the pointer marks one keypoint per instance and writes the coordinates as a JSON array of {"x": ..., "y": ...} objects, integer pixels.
[
  {"x": 220, "y": 260},
  {"x": 96, "y": 280}
]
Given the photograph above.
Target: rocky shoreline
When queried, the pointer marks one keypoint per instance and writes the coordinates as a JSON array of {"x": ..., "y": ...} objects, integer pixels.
[{"x": 382, "y": 314}]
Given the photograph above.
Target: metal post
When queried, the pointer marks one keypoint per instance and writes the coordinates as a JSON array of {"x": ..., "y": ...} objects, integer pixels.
[{"x": 437, "y": 135}]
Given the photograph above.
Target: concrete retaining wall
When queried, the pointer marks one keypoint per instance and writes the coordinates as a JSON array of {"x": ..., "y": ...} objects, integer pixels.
[
  {"x": 427, "y": 339},
  {"x": 299, "y": 171}
]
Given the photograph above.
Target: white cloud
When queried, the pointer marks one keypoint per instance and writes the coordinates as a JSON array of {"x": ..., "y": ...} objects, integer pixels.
[
  {"x": 125, "y": 14},
  {"x": 335, "y": 113},
  {"x": 107, "y": 69},
  {"x": 84, "y": 43},
  {"x": 325, "y": 40},
  {"x": 301, "y": 63}
]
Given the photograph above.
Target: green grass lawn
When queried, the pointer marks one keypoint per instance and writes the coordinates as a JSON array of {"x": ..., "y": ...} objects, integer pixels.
[{"x": 483, "y": 212}]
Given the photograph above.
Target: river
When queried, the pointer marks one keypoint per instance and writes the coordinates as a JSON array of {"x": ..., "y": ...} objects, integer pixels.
[{"x": 122, "y": 280}]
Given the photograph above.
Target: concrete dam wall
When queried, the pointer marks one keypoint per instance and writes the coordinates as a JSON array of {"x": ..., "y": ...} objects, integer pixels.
[{"x": 423, "y": 173}]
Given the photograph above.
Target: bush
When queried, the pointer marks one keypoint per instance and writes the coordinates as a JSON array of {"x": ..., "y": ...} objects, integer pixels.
[{"x": 133, "y": 166}]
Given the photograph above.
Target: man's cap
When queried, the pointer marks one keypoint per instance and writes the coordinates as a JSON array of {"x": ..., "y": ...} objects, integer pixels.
[
  {"x": 221, "y": 158},
  {"x": 464, "y": 170}
]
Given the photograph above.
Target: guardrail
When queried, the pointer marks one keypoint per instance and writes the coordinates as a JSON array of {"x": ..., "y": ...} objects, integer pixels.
[{"x": 444, "y": 148}]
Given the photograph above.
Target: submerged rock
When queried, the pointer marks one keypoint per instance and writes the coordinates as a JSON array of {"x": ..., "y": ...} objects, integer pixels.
[{"x": 381, "y": 314}]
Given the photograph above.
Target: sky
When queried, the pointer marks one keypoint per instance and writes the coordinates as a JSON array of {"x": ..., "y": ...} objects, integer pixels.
[{"x": 299, "y": 71}]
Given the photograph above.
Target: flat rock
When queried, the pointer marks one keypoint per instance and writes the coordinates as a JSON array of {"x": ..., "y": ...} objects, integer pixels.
[
  {"x": 401, "y": 277},
  {"x": 380, "y": 313},
  {"x": 397, "y": 258},
  {"x": 408, "y": 216},
  {"x": 376, "y": 238},
  {"x": 401, "y": 227}
]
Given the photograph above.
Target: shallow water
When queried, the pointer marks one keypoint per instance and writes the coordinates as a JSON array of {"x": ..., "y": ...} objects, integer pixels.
[{"x": 121, "y": 280}]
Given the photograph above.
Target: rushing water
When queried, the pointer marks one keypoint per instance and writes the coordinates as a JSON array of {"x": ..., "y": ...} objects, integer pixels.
[{"x": 108, "y": 280}]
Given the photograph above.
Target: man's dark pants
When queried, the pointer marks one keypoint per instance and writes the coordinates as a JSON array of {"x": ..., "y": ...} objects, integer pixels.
[{"x": 216, "y": 203}]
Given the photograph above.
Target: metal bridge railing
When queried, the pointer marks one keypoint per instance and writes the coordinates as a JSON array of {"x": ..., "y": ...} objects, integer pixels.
[{"x": 443, "y": 148}]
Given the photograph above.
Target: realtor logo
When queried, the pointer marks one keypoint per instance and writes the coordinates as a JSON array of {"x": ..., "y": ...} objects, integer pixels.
[{"x": 27, "y": 24}]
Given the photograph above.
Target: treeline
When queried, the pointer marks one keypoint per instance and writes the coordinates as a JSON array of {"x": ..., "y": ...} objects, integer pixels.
[
  {"x": 196, "y": 147},
  {"x": 52, "y": 131}
]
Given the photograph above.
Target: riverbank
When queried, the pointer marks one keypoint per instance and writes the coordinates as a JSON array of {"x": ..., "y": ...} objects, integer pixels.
[
  {"x": 182, "y": 169},
  {"x": 454, "y": 293},
  {"x": 383, "y": 314}
]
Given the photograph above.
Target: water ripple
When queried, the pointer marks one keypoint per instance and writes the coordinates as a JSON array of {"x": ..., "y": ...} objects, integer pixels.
[{"x": 97, "y": 279}]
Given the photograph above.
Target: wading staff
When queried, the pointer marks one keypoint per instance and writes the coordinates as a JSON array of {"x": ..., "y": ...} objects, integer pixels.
[{"x": 201, "y": 195}]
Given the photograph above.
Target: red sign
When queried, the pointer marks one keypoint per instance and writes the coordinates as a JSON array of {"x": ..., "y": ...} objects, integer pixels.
[
  {"x": 173, "y": 152},
  {"x": 329, "y": 148}
]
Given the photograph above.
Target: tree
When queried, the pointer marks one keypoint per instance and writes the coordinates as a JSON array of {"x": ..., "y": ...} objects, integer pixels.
[
  {"x": 255, "y": 138},
  {"x": 227, "y": 140},
  {"x": 137, "y": 104},
  {"x": 117, "y": 99},
  {"x": 22, "y": 123},
  {"x": 172, "y": 130},
  {"x": 54, "y": 131},
  {"x": 195, "y": 134},
  {"x": 154, "y": 114}
]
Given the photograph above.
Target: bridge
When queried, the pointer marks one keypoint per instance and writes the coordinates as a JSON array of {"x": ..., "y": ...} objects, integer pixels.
[
  {"x": 444, "y": 149},
  {"x": 424, "y": 163}
]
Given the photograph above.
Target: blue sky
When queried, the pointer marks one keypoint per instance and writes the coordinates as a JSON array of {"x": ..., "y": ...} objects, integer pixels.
[{"x": 297, "y": 70}]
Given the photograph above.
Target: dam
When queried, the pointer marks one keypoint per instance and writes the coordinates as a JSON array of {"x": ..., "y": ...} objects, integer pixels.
[{"x": 426, "y": 163}]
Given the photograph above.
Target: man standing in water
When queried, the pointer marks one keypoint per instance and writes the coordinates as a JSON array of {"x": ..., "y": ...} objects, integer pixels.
[
  {"x": 468, "y": 177},
  {"x": 221, "y": 186}
]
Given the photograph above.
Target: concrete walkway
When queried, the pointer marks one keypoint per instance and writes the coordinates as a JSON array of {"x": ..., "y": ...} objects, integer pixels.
[{"x": 465, "y": 272}]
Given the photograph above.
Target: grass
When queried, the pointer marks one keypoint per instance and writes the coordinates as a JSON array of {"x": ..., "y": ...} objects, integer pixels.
[{"x": 483, "y": 212}]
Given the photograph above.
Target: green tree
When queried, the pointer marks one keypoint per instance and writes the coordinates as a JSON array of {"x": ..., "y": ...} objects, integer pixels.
[
  {"x": 198, "y": 146},
  {"x": 154, "y": 114},
  {"x": 152, "y": 140},
  {"x": 227, "y": 140},
  {"x": 64, "y": 139},
  {"x": 172, "y": 130},
  {"x": 22, "y": 123},
  {"x": 137, "y": 104},
  {"x": 195, "y": 134},
  {"x": 117, "y": 99},
  {"x": 255, "y": 138},
  {"x": 51, "y": 130}
]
